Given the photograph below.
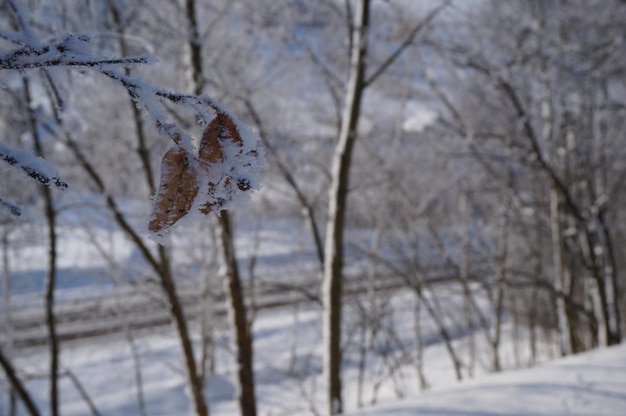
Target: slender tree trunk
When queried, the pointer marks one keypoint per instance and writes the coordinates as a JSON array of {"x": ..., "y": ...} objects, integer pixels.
[
  {"x": 419, "y": 344},
  {"x": 17, "y": 385},
  {"x": 338, "y": 194},
  {"x": 464, "y": 213},
  {"x": 50, "y": 214},
  {"x": 611, "y": 272},
  {"x": 333, "y": 252},
  {"x": 138, "y": 375},
  {"x": 497, "y": 321},
  {"x": 559, "y": 274},
  {"x": 162, "y": 269},
  {"x": 239, "y": 322},
  {"x": 362, "y": 360},
  {"x": 178, "y": 316},
  {"x": 162, "y": 265},
  {"x": 234, "y": 289},
  {"x": 83, "y": 393},
  {"x": 443, "y": 332},
  {"x": 207, "y": 307},
  {"x": 50, "y": 300},
  {"x": 7, "y": 324}
]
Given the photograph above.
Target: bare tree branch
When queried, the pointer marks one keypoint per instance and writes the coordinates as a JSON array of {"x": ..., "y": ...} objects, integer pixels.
[
  {"x": 17, "y": 384},
  {"x": 33, "y": 167},
  {"x": 63, "y": 53},
  {"x": 406, "y": 43}
]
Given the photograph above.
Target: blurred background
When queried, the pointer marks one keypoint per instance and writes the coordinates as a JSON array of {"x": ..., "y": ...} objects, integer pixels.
[{"x": 484, "y": 219}]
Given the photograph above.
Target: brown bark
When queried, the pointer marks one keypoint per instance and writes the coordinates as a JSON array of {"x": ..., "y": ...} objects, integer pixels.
[
  {"x": 17, "y": 385},
  {"x": 234, "y": 290},
  {"x": 178, "y": 316},
  {"x": 160, "y": 264},
  {"x": 239, "y": 322},
  {"x": 333, "y": 252},
  {"x": 340, "y": 178},
  {"x": 50, "y": 214}
]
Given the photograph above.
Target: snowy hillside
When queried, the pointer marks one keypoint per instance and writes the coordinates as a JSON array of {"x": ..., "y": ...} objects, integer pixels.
[
  {"x": 593, "y": 383},
  {"x": 289, "y": 382}
]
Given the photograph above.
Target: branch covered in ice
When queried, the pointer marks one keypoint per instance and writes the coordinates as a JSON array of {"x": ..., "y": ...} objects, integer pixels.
[
  {"x": 69, "y": 51},
  {"x": 11, "y": 207},
  {"x": 212, "y": 178},
  {"x": 35, "y": 167},
  {"x": 217, "y": 176}
]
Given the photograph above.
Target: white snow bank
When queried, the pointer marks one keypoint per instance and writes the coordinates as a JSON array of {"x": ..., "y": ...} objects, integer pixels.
[{"x": 593, "y": 383}]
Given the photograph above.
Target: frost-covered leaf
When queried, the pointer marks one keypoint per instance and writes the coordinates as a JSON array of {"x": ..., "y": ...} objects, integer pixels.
[
  {"x": 220, "y": 140},
  {"x": 177, "y": 190},
  {"x": 214, "y": 177},
  {"x": 227, "y": 166}
]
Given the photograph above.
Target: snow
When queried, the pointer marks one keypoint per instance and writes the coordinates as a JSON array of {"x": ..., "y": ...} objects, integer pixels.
[
  {"x": 289, "y": 354},
  {"x": 593, "y": 383},
  {"x": 289, "y": 359}
]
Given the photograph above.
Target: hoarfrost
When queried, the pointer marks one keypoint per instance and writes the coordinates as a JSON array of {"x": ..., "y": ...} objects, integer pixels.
[{"x": 221, "y": 184}]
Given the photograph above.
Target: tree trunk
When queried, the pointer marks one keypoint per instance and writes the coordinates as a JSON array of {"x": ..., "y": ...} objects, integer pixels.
[
  {"x": 464, "y": 214},
  {"x": 419, "y": 344},
  {"x": 162, "y": 265},
  {"x": 239, "y": 322},
  {"x": 50, "y": 214},
  {"x": 333, "y": 252},
  {"x": 234, "y": 290},
  {"x": 613, "y": 281},
  {"x": 17, "y": 385},
  {"x": 559, "y": 274},
  {"x": 178, "y": 316},
  {"x": 7, "y": 324}
]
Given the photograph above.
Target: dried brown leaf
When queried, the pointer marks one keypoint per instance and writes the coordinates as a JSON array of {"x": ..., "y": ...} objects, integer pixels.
[
  {"x": 177, "y": 190},
  {"x": 221, "y": 129}
]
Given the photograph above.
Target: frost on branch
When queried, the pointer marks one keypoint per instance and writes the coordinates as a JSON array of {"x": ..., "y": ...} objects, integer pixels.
[
  {"x": 13, "y": 209},
  {"x": 215, "y": 177},
  {"x": 33, "y": 166},
  {"x": 224, "y": 171},
  {"x": 71, "y": 50}
]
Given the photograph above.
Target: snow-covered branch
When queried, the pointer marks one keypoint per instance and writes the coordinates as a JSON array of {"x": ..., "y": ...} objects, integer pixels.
[
  {"x": 35, "y": 167},
  {"x": 11, "y": 207},
  {"x": 226, "y": 165},
  {"x": 70, "y": 51}
]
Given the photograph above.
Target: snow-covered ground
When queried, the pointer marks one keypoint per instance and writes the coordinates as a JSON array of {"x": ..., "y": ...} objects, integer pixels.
[
  {"x": 288, "y": 354},
  {"x": 289, "y": 382},
  {"x": 590, "y": 384}
]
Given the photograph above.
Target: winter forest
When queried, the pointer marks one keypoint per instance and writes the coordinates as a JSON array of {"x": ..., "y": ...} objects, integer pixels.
[{"x": 298, "y": 207}]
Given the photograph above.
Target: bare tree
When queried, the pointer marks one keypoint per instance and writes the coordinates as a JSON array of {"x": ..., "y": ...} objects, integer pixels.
[
  {"x": 528, "y": 78},
  {"x": 333, "y": 273},
  {"x": 18, "y": 385},
  {"x": 338, "y": 193},
  {"x": 72, "y": 51},
  {"x": 51, "y": 219},
  {"x": 226, "y": 239}
]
